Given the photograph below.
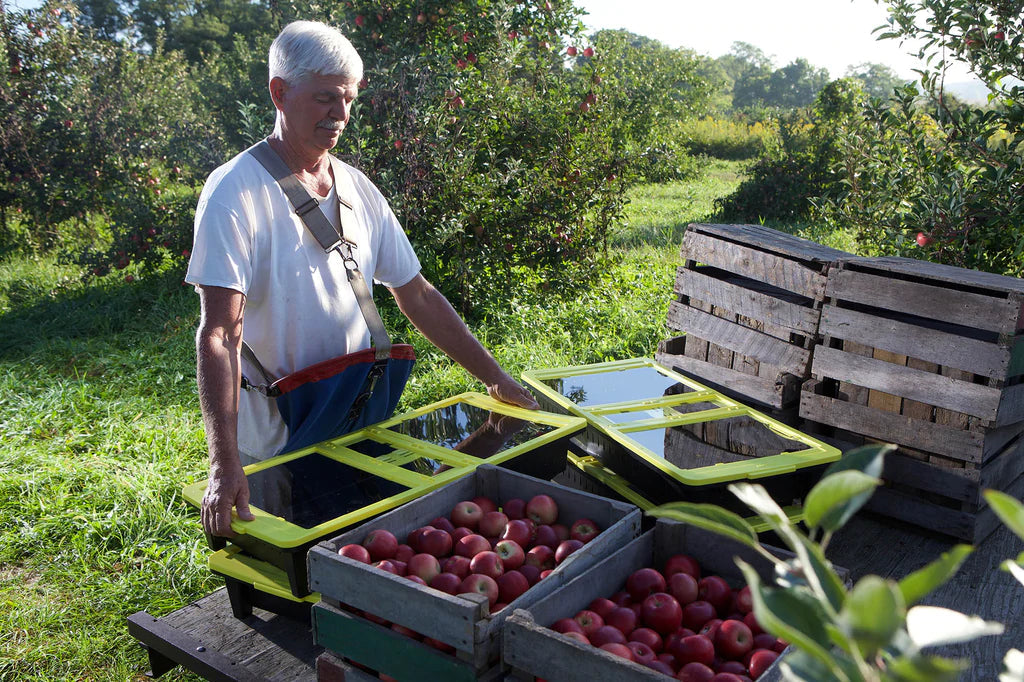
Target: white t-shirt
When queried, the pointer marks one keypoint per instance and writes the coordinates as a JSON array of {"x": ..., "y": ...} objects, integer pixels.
[{"x": 299, "y": 306}]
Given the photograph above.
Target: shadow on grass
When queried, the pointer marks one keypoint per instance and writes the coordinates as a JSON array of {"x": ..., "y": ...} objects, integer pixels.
[{"x": 107, "y": 311}]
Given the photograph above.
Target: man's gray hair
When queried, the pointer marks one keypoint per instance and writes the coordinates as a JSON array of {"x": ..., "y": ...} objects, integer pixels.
[{"x": 305, "y": 48}]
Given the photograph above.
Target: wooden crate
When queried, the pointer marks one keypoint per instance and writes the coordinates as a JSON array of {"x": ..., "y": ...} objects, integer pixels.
[
  {"x": 928, "y": 357},
  {"x": 748, "y": 299},
  {"x": 532, "y": 648},
  {"x": 463, "y": 621}
]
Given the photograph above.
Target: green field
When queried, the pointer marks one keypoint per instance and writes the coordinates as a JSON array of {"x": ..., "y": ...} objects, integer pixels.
[{"x": 100, "y": 427}]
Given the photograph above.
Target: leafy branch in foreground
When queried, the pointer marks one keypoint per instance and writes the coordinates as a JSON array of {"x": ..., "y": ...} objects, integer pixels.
[
  {"x": 1011, "y": 512},
  {"x": 875, "y": 630}
]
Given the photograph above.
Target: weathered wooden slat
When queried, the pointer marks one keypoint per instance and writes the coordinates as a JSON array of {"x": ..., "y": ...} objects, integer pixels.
[
  {"x": 916, "y": 409},
  {"x": 889, "y": 427},
  {"x": 939, "y": 347},
  {"x": 1011, "y": 409},
  {"x": 740, "y": 339},
  {"x": 778, "y": 393},
  {"x": 953, "y": 394},
  {"x": 925, "y": 300},
  {"x": 999, "y": 284},
  {"x": 757, "y": 264},
  {"x": 773, "y": 241},
  {"x": 881, "y": 400},
  {"x": 907, "y": 507},
  {"x": 746, "y": 302},
  {"x": 924, "y": 476}
]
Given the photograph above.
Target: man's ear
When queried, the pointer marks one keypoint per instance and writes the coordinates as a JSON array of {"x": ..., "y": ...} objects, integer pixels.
[{"x": 278, "y": 88}]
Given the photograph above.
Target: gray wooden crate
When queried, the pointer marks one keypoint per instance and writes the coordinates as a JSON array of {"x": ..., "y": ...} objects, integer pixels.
[
  {"x": 748, "y": 299},
  {"x": 461, "y": 621},
  {"x": 531, "y": 647}
]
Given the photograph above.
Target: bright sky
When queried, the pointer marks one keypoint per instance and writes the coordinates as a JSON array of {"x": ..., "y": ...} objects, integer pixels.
[{"x": 828, "y": 33}]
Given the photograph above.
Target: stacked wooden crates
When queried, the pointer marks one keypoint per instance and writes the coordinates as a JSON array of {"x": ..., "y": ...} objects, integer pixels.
[
  {"x": 748, "y": 299},
  {"x": 928, "y": 357}
]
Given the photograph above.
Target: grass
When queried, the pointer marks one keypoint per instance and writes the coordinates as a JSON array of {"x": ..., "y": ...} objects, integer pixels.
[{"x": 100, "y": 427}]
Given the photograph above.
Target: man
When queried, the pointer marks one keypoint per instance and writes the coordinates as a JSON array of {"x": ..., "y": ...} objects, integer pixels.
[{"x": 257, "y": 268}]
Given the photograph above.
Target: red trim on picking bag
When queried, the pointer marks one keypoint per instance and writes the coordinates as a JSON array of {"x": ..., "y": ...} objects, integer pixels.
[{"x": 334, "y": 366}]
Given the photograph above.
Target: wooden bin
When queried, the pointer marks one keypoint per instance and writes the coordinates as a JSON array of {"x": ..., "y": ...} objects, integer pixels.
[
  {"x": 532, "y": 648},
  {"x": 748, "y": 299},
  {"x": 928, "y": 357},
  {"x": 463, "y": 621}
]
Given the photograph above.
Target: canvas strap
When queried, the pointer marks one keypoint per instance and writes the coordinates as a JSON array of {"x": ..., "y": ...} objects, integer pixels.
[{"x": 307, "y": 208}]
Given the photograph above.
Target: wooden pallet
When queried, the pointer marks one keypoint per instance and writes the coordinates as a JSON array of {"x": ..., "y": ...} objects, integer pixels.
[
  {"x": 462, "y": 621},
  {"x": 928, "y": 357},
  {"x": 748, "y": 299}
]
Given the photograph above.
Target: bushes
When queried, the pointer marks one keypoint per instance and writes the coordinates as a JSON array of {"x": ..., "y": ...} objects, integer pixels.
[{"x": 727, "y": 139}]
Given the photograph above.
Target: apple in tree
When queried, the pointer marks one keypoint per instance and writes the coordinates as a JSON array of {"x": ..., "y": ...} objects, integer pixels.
[
  {"x": 565, "y": 549},
  {"x": 760, "y": 661},
  {"x": 514, "y": 508},
  {"x": 481, "y": 584},
  {"x": 695, "y": 672},
  {"x": 471, "y": 545},
  {"x": 584, "y": 530},
  {"x": 542, "y": 509},
  {"x": 511, "y": 584},
  {"x": 644, "y": 582},
  {"x": 661, "y": 612},
  {"x": 618, "y": 649},
  {"x": 485, "y": 503},
  {"x": 492, "y": 524},
  {"x": 467, "y": 514},
  {"x": 923, "y": 239},
  {"x": 696, "y": 648},
  {"x": 381, "y": 544},
  {"x": 733, "y": 639},
  {"x": 357, "y": 552},
  {"x": 512, "y": 555},
  {"x": 682, "y": 563},
  {"x": 606, "y": 634},
  {"x": 486, "y": 563}
]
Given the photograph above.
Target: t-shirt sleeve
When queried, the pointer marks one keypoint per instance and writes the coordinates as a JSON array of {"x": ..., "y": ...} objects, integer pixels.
[
  {"x": 222, "y": 242},
  {"x": 397, "y": 262}
]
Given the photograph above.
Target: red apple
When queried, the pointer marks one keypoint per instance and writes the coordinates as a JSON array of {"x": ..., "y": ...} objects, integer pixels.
[
  {"x": 751, "y": 622},
  {"x": 682, "y": 563},
  {"x": 514, "y": 508},
  {"x": 436, "y": 541},
  {"x": 511, "y": 584},
  {"x": 512, "y": 555},
  {"x": 467, "y": 514},
  {"x": 641, "y": 652},
  {"x": 694, "y": 648},
  {"x": 780, "y": 645},
  {"x": 710, "y": 628},
  {"x": 564, "y": 625},
  {"x": 695, "y": 672},
  {"x": 545, "y": 573},
  {"x": 442, "y": 523},
  {"x": 485, "y": 503},
  {"x": 729, "y": 677},
  {"x": 602, "y": 606},
  {"x": 742, "y": 600},
  {"x": 561, "y": 531},
  {"x": 460, "y": 533},
  {"x": 425, "y": 566},
  {"x": 714, "y": 589},
  {"x": 404, "y": 553},
  {"x": 662, "y": 667},
  {"x": 414, "y": 537},
  {"x": 519, "y": 531},
  {"x": 644, "y": 582},
  {"x": 486, "y": 563},
  {"x": 446, "y": 582},
  {"x": 357, "y": 552},
  {"x": 589, "y": 621},
  {"x": 622, "y": 598},
  {"x": 391, "y": 566},
  {"x": 763, "y": 640},
  {"x": 415, "y": 579},
  {"x": 760, "y": 661},
  {"x": 542, "y": 509},
  {"x": 624, "y": 619},
  {"x": 584, "y": 530},
  {"x": 481, "y": 584},
  {"x": 669, "y": 660},
  {"x": 459, "y": 565},
  {"x": 683, "y": 587},
  {"x": 578, "y": 636},
  {"x": 733, "y": 667},
  {"x": 546, "y": 536},
  {"x": 381, "y": 544},
  {"x": 662, "y": 613},
  {"x": 532, "y": 573},
  {"x": 492, "y": 524},
  {"x": 541, "y": 556},
  {"x": 471, "y": 545},
  {"x": 733, "y": 639},
  {"x": 618, "y": 649},
  {"x": 923, "y": 239},
  {"x": 648, "y": 637},
  {"x": 606, "y": 634},
  {"x": 565, "y": 549}
]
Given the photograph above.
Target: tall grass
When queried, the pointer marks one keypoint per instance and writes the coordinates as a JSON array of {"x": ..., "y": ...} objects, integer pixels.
[{"x": 100, "y": 428}]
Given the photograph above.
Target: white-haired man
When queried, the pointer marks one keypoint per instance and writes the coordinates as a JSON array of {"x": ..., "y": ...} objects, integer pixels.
[{"x": 253, "y": 261}]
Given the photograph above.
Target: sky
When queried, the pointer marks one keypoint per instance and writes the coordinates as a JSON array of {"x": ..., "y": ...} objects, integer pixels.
[{"x": 833, "y": 34}]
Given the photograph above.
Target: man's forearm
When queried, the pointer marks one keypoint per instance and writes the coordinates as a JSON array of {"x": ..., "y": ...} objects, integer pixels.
[{"x": 218, "y": 379}]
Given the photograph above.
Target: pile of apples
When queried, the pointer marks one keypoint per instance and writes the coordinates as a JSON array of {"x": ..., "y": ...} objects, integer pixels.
[
  {"x": 499, "y": 552},
  {"x": 693, "y": 627}
]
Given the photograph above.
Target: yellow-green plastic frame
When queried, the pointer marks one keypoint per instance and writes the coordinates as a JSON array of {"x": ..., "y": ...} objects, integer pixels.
[
  {"x": 284, "y": 534},
  {"x": 234, "y": 563},
  {"x": 815, "y": 453}
]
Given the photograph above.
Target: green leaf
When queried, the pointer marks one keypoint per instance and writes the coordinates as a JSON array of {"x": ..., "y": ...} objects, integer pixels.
[
  {"x": 874, "y": 613},
  {"x": 793, "y": 615},
  {"x": 758, "y": 499},
  {"x": 832, "y": 586},
  {"x": 867, "y": 459},
  {"x": 1013, "y": 666},
  {"x": 1009, "y": 510},
  {"x": 837, "y": 497},
  {"x": 925, "y": 669},
  {"x": 936, "y": 626},
  {"x": 798, "y": 666},
  {"x": 1015, "y": 569},
  {"x": 922, "y": 582},
  {"x": 712, "y": 518}
]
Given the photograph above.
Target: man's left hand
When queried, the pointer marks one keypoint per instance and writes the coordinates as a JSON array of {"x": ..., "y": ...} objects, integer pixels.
[{"x": 508, "y": 390}]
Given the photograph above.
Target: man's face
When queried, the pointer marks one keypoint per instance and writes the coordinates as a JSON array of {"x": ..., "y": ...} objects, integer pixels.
[{"x": 315, "y": 110}]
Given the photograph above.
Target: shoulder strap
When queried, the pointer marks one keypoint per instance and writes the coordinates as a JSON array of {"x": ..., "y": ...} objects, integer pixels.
[{"x": 316, "y": 222}]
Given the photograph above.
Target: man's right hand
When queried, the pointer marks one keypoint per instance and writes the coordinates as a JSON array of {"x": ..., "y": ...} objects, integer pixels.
[{"x": 228, "y": 488}]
